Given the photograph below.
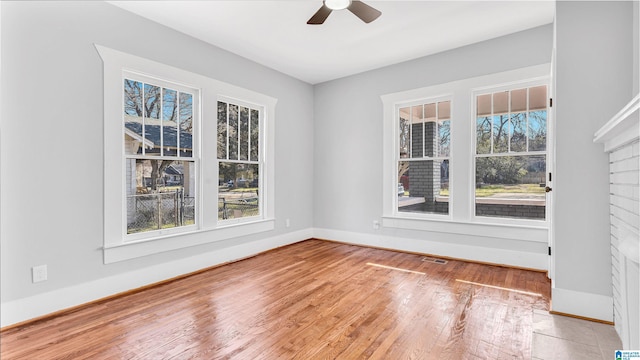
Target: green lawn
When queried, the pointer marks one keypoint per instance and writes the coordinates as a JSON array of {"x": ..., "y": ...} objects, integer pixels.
[{"x": 489, "y": 190}]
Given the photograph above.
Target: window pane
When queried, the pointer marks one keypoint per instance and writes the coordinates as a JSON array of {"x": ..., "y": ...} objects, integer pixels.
[
  {"x": 518, "y": 120},
  {"x": 233, "y": 132},
  {"x": 152, "y": 125},
  {"x": 518, "y": 132},
  {"x": 133, "y": 140},
  {"x": 483, "y": 124},
  {"x": 500, "y": 133},
  {"x": 255, "y": 135},
  {"x": 404, "y": 125},
  {"x": 222, "y": 130},
  {"x": 423, "y": 186},
  {"x": 538, "y": 98},
  {"x": 483, "y": 105},
  {"x": 444, "y": 110},
  {"x": 186, "y": 124},
  {"x": 418, "y": 132},
  {"x": 538, "y": 130},
  {"x": 500, "y": 103},
  {"x": 169, "y": 105},
  {"x": 511, "y": 186},
  {"x": 431, "y": 143},
  {"x": 444, "y": 138},
  {"x": 160, "y": 194},
  {"x": 483, "y": 135},
  {"x": 169, "y": 122},
  {"x": 238, "y": 190},
  {"x": 244, "y": 133},
  {"x": 518, "y": 101}
]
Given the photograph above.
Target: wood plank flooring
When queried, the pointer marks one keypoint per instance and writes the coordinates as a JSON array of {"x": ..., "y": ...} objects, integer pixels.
[{"x": 311, "y": 300}]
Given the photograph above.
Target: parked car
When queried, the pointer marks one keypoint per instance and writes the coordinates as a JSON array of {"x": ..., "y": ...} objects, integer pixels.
[
  {"x": 243, "y": 183},
  {"x": 400, "y": 190}
]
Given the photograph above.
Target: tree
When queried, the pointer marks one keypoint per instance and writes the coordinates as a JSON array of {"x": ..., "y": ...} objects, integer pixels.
[
  {"x": 500, "y": 169},
  {"x": 154, "y": 102},
  {"x": 157, "y": 171}
]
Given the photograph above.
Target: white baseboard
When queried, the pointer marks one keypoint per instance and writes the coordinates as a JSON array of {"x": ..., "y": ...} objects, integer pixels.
[
  {"x": 578, "y": 303},
  {"x": 16, "y": 311},
  {"x": 565, "y": 301},
  {"x": 538, "y": 261}
]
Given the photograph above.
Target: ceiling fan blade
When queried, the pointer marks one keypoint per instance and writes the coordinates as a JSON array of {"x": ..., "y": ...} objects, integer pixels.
[
  {"x": 320, "y": 16},
  {"x": 365, "y": 12}
]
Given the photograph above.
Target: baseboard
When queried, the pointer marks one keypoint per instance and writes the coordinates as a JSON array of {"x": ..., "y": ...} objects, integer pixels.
[
  {"x": 512, "y": 258},
  {"x": 26, "y": 309},
  {"x": 581, "y": 304}
]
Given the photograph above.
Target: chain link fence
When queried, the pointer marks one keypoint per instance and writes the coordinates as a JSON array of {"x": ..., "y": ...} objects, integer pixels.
[
  {"x": 231, "y": 209},
  {"x": 161, "y": 210}
]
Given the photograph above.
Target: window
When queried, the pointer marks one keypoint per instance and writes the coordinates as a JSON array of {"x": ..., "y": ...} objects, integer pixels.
[
  {"x": 511, "y": 153},
  {"x": 424, "y": 145},
  {"x": 418, "y": 130},
  {"x": 169, "y": 159},
  {"x": 159, "y": 128},
  {"x": 239, "y": 161}
]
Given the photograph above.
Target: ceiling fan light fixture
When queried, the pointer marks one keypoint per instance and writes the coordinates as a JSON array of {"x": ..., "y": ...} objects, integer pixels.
[{"x": 337, "y": 4}]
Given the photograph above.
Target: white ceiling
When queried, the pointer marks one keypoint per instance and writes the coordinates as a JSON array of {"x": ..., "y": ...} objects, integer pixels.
[{"x": 275, "y": 33}]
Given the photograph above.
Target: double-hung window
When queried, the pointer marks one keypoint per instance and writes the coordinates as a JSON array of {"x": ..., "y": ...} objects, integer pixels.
[
  {"x": 469, "y": 156},
  {"x": 423, "y": 150},
  {"x": 188, "y": 159},
  {"x": 511, "y": 152},
  {"x": 160, "y": 128},
  {"x": 239, "y": 160}
]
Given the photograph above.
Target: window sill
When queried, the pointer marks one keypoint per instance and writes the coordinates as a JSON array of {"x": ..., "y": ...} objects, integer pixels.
[
  {"x": 136, "y": 249},
  {"x": 536, "y": 233}
]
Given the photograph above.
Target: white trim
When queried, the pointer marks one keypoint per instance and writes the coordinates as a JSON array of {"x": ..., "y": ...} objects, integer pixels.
[
  {"x": 593, "y": 306},
  {"x": 19, "y": 310},
  {"x": 501, "y": 231},
  {"x": 134, "y": 249},
  {"x": 508, "y": 257},
  {"x": 262, "y": 152},
  {"x": 16, "y": 311},
  {"x": 431, "y": 100},
  {"x": 462, "y": 178},
  {"x": 115, "y": 63},
  {"x": 490, "y": 90},
  {"x": 622, "y": 128}
]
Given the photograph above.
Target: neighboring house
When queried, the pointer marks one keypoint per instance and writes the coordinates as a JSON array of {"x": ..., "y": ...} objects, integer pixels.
[
  {"x": 173, "y": 139},
  {"x": 152, "y": 140},
  {"x": 173, "y": 175}
]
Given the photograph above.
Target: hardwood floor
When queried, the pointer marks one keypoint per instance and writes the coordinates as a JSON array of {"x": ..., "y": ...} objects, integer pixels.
[{"x": 311, "y": 300}]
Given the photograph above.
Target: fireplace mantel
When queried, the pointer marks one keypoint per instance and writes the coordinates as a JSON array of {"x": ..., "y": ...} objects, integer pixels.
[{"x": 623, "y": 128}]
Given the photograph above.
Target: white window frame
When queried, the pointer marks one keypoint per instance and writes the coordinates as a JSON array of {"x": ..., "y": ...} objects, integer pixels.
[
  {"x": 195, "y": 158},
  {"x": 397, "y": 107},
  {"x": 515, "y": 85},
  {"x": 116, "y": 246},
  {"x": 260, "y": 161},
  {"x": 461, "y": 219}
]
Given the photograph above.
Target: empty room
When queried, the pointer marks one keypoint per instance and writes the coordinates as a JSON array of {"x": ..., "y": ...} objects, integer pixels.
[{"x": 394, "y": 179}]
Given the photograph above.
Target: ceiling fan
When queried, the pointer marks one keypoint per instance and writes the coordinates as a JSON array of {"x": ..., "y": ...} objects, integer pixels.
[{"x": 365, "y": 12}]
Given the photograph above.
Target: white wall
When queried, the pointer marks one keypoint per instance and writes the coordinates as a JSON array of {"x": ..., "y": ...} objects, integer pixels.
[
  {"x": 636, "y": 46},
  {"x": 51, "y": 151},
  {"x": 348, "y": 137},
  {"x": 328, "y": 147},
  {"x": 594, "y": 81}
]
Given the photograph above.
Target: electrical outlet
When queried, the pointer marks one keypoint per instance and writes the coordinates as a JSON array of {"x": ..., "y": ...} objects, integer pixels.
[
  {"x": 39, "y": 273},
  {"x": 287, "y": 223},
  {"x": 376, "y": 225}
]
